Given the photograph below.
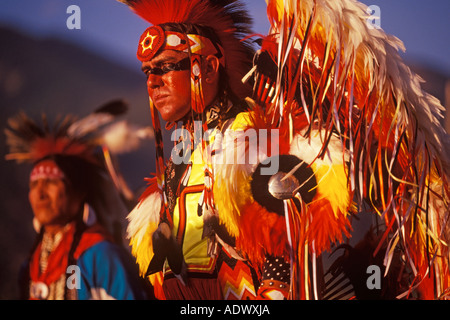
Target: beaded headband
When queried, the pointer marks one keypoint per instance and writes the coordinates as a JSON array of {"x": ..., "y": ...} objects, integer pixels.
[
  {"x": 46, "y": 169},
  {"x": 154, "y": 39}
]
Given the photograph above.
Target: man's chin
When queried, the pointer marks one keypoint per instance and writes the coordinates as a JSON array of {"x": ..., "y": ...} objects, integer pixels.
[
  {"x": 174, "y": 118},
  {"x": 47, "y": 219}
]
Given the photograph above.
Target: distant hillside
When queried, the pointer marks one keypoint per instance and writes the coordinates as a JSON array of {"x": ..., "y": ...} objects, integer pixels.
[{"x": 51, "y": 76}]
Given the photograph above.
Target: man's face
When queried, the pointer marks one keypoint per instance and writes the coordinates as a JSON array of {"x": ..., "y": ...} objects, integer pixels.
[
  {"x": 52, "y": 203},
  {"x": 170, "y": 92}
]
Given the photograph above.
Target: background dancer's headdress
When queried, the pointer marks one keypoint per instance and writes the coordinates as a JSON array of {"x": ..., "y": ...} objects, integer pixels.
[{"x": 80, "y": 151}]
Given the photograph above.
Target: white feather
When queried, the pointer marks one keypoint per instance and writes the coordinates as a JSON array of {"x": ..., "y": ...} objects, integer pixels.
[
  {"x": 309, "y": 148},
  {"x": 230, "y": 156},
  {"x": 123, "y": 137},
  {"x": 89, "y": 124},
  {"x": 146, "y": 211}
]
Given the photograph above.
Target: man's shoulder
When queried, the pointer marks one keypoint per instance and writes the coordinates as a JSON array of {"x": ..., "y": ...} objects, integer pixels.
[
  {"x": 99, "y": 250},
  {"x": 104, "y": 254}
]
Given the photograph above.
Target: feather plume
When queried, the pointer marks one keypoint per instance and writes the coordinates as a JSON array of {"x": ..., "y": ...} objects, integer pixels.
[
  {"x": 102, "y": 116},
  {"x": 122, "y": 137},
  {"x": 146, "y": 211},
  {"x": 143, "y": 222},
  {"x": 30, "y": 141}
]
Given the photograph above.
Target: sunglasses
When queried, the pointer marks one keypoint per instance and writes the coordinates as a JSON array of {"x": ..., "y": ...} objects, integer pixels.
[{"x": 184, "y": 64}]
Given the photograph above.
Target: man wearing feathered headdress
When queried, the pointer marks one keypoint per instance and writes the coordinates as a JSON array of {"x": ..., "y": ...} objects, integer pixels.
[
  {"x": 342, "y": 127},
  {"x": 194, "y": 57},
  {"x": 78, "y": 253}
]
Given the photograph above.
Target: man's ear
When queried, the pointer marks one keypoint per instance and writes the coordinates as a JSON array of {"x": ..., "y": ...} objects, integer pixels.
[{"x": 211, "y": 69}]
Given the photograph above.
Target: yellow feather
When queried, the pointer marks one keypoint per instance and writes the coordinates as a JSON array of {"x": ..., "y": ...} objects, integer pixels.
[
  {"x": 143, "y": 250},
  {"x": 331, "y": 184}
]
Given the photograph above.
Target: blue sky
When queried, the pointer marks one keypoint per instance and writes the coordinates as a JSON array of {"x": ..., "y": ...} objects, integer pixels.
[{"x": 110, "y": 29}]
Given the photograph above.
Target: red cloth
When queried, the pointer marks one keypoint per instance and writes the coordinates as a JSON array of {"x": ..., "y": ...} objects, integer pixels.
[
  {"x": 58, "y": 258},
  {"x": 195, "y": 289}
]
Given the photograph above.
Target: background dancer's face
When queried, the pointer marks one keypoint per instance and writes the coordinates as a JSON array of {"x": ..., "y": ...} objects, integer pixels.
[{"x": 53, "y": 203}]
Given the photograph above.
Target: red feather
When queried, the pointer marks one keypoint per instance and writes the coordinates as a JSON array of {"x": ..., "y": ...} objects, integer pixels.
[
  {"x": 162, "y": 11},
  {"x": 152, "y": 187},
  {"x": 261, "y": 233},
  {"x": 325, "y": 227},
  {"x": 44, "y": 146}
]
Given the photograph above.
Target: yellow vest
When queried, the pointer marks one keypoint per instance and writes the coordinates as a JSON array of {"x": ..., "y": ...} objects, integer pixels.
[{"x": 188, "y": 225}]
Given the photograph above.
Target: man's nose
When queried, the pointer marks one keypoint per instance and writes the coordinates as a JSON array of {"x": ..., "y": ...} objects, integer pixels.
[
  {"x": 154, "y": 81},
  {"x": 41, "y": 189}
]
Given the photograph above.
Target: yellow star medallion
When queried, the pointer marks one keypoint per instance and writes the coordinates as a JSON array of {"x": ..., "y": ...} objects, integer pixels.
[{"x": 147, "y": 42}]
